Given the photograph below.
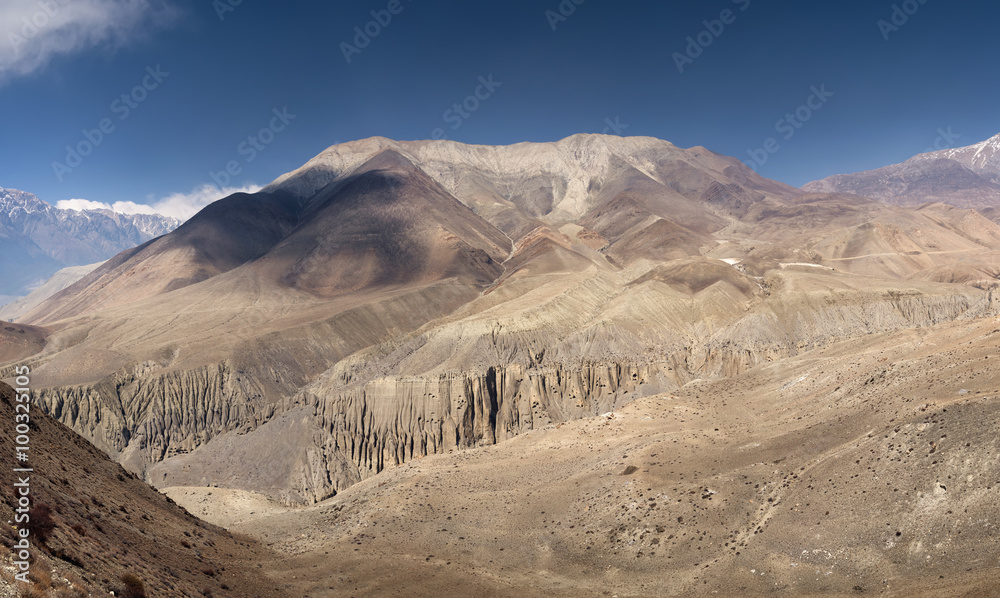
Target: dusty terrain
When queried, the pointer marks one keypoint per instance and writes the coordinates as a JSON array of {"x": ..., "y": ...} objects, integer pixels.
[
  {"x": 392, "y": 300},
  {"x": 866, "y": 468}
]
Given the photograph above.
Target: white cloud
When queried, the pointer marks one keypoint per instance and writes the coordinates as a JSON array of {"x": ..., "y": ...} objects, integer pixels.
[
  {"x": 122, "y": 207},
  {"x": 181, "y": 206},
  {"x": 33, "y": 32},
  {"x": 185, "y": 205}
]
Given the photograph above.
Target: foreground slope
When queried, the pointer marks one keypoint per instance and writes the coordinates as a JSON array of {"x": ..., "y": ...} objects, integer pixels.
[
  {"x": 105, "y": 524},
  {"x": 865, "y": 468}
]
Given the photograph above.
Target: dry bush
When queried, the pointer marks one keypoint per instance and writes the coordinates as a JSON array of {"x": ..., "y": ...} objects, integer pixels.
[
  {"x": 31, "y": 591},
  {"x": 40, "y": 576},
  {"x": 40, "y": 522},
  {"x": 134, "y": 588}
]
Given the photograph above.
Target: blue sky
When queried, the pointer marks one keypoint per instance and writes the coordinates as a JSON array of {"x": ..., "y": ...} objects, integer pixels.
[{"x": 200, "y": 77}]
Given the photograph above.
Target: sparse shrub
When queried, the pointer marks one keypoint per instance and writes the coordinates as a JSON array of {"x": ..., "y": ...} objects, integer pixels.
[
  {"x": 39, "y": 574},
  {"x": 40, "y": 523},
  {"x": 75, "y": 582},
  {"x": 79, "y": 529},
  {"x": 31, "y": 591},
  {"x": 134, "y": 588},
  {"x": 71, "y": 592},
  {"x": 67, "y": 557}
]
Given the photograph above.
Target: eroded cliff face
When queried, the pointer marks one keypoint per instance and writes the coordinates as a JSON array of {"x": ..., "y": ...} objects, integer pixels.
[
  {"x": 392, "y": 420},
  {"x": 203, "y": 426},
  {"x": 389, "y": 421},
  {"x": 143, "y": 416}
]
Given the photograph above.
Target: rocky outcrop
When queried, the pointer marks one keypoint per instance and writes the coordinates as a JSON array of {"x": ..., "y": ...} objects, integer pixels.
[{"x": 385, "y": 422}]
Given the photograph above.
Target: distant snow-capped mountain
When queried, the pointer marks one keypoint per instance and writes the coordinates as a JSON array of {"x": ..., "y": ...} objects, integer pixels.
[
  {"x": 966, "y": 177},
  {"x": 37, "y": 239}
]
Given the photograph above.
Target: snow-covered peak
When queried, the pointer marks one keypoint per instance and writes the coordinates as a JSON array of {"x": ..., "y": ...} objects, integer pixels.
[
  {"x": 982, "y": 157},
  {"x": 13, "y": 202}
]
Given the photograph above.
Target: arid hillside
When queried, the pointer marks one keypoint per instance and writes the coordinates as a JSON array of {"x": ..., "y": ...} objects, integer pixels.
[
  {"x": 96, "y": 528},
  {"x": 601, "y": 366},
  {"x": 866, "y": 468}
]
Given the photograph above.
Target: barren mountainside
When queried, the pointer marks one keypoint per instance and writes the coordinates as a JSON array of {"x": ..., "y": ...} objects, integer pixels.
[
  {"x": 396, "y": 299},
  {"x": 392, "y": 302}
]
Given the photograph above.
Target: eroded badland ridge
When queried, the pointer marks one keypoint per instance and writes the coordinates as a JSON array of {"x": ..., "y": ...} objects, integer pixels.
[{"x": 391, "y": 301}]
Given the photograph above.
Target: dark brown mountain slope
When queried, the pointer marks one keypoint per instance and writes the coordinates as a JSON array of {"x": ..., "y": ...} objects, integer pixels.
[
  {"x": 104, "y": 523},
  {"x": 389, "y": 224}
]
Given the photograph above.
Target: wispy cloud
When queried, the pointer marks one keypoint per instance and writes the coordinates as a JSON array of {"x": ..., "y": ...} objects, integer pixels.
[
  {"x": 33, "y": 32},
  {"x": 178, "y": 205},
  {"x": 122, "y": 207},
  {"x": 184, "y": 205}
]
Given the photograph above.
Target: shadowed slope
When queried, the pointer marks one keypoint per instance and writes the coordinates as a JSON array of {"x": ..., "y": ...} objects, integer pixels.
[
  {"x": 389, "y": 224},
  {"x": 221, "y": 237}
]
